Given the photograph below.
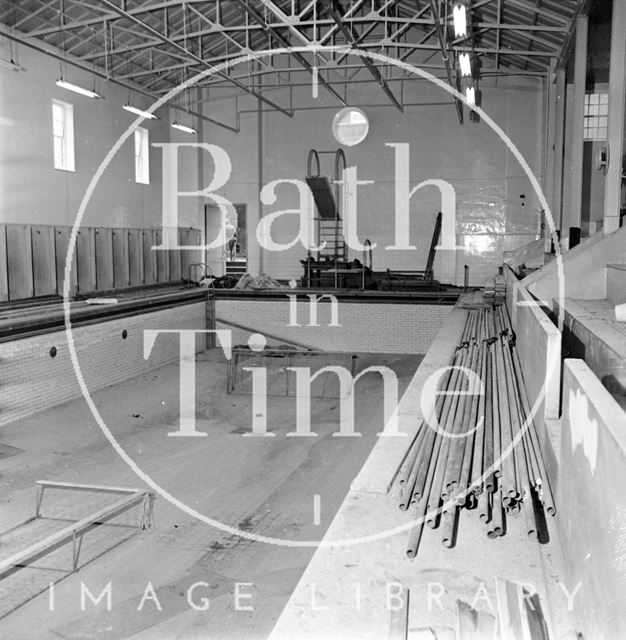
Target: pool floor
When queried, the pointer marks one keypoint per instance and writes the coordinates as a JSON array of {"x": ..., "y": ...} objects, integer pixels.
[{"x": 179, "y": 580}]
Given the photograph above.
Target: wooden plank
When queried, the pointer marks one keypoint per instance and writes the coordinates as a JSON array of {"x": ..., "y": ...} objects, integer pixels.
[
  {"x": 162, "y": 257},
  {"x": 135, "y": 257},
  {"x": 61, "y": 244},
  {"x": 195, "y": 237},
  {"x": 86, "y": 259},
  {"x": 44, "y": 267},
  {"x": 104, "y": 259},
  {"x": 191, "y": 238},
  {"x": 19, "y": 262},
  {"x": 121, "y": 276},
  {"x": 186, "y": 256},
  {"x": 149, "y": 256},
  {"x": 4, "y": 274},
  {"x": 174, "y": 258}
]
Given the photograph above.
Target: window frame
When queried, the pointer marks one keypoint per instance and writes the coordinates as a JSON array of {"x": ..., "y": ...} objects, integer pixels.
[
  {"x": 66, "y": 161},
  {"x": 141, "y": 148},
  {"x": 344, "y": 131},
  {"x": 595, "y": 118}
]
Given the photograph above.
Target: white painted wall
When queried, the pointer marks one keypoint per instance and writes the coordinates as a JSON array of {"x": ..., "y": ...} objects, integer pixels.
[
  {"x": 491, "y": 215},
  {"x": 32, "y": 191},
  {"x": 488, "y": 181}
]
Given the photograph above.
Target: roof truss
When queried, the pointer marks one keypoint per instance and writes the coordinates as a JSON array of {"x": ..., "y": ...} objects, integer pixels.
[{"x": 151, "y": 45}]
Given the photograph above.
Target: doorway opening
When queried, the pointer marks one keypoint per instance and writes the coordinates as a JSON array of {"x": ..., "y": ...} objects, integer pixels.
[{"x": 232, "y": 257}]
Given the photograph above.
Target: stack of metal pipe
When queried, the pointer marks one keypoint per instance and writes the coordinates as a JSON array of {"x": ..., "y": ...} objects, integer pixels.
[{"x": 477, "y": 448}]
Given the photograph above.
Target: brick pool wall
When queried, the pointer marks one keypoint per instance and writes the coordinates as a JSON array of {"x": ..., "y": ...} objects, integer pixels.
[
  {"x": 381, "y": 327},
  {"x": 32, "y": 380}
]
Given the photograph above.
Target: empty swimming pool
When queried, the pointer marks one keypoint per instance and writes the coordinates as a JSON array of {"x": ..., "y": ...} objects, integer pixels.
[{"x": 186, "y": 578}]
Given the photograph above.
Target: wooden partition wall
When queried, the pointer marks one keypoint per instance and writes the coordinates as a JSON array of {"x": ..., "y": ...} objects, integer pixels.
[{"x": 32, "y": 259}]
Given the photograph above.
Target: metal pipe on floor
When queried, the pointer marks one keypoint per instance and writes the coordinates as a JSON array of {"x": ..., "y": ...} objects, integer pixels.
[
  {"x": 496, "y": 525},
  {"x": 447, "y": 468},
  {"x": 449, "y": 522}
]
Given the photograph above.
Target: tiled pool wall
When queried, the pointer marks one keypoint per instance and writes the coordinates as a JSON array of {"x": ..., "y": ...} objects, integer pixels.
[{"x": 107, "y": 352}]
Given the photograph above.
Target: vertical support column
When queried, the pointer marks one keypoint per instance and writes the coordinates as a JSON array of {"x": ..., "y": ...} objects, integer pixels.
[
  {"x": 4, "y": 269},
  {"x": 200, "y": 177},
  {"x": 576, "y": 168},
  {"x": 549, "y": 151},
  {"x": 210, "y": 321},
  {"x": 559, "y": 148},
  {"x": 617, "y": 114},
  {"x": 260, "y": 249}
]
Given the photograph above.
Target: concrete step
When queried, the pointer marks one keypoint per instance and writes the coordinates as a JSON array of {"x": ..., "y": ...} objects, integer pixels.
[{"x": 616, "y": 282}]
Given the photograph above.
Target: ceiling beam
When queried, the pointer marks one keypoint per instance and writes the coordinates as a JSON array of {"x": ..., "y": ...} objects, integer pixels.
[
  {"x": 333, "y": 25},
  {"x": 285, "y": 21},
  {"x": 529, "y": 6},
  {"x": 525, "y": 38},
  {"x": 243, "y": 48},
  {"x": 220, "y": 29},
  {"x": 36, "y": 45},
  {"x": 408, "y": 24},
  {"x": 531, "y": 36},
  {"x": 581, "y": 9},
  {"x": 291, "y": 23},
  {"x": 374, "y": 17},
  {"x": 498, "y": 32},
  {"x": 212, "y": 25},
  {"x": 206, "y": 45},
  {"x": 434, "y": 9},
  {"x": 192, "y": 56},
  {"x": 461, "y": 48},
  {"x": 374, "y": 71},
  {"x": 352, "y": 66},
  {"x": 405, "y": 77},
  {"x": 109, "y": 16},
  {"x": 32, "y": 14},
  {"x": 285, "y": 43},
  {"x": 150, "y": 72}
]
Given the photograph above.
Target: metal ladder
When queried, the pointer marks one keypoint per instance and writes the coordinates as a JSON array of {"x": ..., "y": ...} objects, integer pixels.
[{"x": 328, "y": 223}]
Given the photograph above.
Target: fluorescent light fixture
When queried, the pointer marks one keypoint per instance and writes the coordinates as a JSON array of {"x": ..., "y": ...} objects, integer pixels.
[
  {"x": 76, "y": 89},
  {"x": 459, "y": 15},
  {"x": 465, "y": 63},
  {"x": 140, "y": 112},
  {"x": 470, "y": 96},
  {"x": 182, "y": 127},
  {"x": 10, "y": 65}
]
